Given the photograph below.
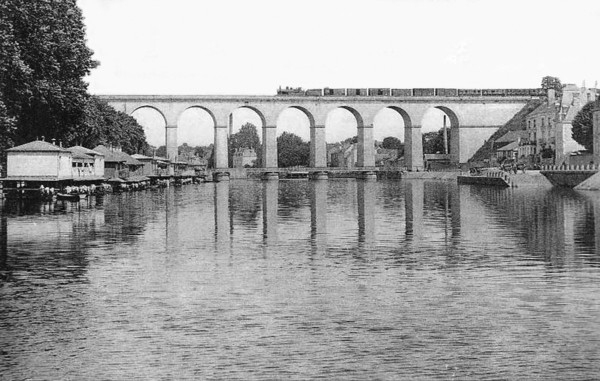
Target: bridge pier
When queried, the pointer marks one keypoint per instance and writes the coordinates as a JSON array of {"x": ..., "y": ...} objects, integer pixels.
[
  {"x": 171, "y": 142},
  {"x": 366, "y": 148},
  {"x": 413, "y": 148},
  {"x": 221, "y": 155},
  {"x": 269, "y": 147},
  {"x": 318, "y": 147}
]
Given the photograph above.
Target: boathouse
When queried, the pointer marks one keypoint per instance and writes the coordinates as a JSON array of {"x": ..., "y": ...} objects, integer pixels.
[
  {"x": 87, "y": 163},
  {"x": 38, "y": 160}
]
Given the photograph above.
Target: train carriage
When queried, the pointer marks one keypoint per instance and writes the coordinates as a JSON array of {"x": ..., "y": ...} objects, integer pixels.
[
  {"x": 334, "y": 92},
  {"x": 469, "y": 92},
  {"x": 357, "y": 92},
  {"x": 424, "y": 92},
  {"x": 313, "y": 92},
  {"x": 446, "y": 92},
  {"x": 379, "y": 91},
  {"x": 402, "y": 92},
  {"x": 493, "y": 92}
]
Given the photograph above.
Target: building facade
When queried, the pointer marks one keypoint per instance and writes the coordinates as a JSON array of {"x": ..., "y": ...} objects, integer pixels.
[{"x": 549, "y": 126}]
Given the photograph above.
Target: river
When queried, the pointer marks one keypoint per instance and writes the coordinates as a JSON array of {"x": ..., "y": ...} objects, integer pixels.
[{"x": 335, "y": 279}]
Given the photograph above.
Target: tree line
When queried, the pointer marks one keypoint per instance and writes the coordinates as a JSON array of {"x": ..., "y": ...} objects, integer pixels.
[{"x": 43, "y": 62}]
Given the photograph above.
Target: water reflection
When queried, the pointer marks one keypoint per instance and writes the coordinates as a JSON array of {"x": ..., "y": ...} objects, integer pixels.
[
  {"x": 366, "y": 193},
  {"x": 270, "y": 205},
  {"x": 413, "y": 193},
  {"x": 318, "y": 216},
  {"x": 362, "y": 280},
  {"x": 223, "y": 225}
]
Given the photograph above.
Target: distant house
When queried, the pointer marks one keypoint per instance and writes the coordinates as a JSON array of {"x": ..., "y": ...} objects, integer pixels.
[
  {"x": 244, "y": 157},
  {"x": 385, "y": 156},
  {"x": 509, "y": 151},
  {"x": 525, "y": 147},
  {"x": 39, "y": 160},
  {"x": 342, "y": 155}
]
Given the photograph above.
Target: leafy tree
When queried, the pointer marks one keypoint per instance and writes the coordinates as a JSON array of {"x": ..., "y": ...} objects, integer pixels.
[
  {"x": 352, "y": 140},
  {"x": 203, "y": 151},
  {"x": 433, "y": 142},
  {"x": 43, "y": 60},
  {"x": 391, "y": 142},
  {"x": 246, "y": 137},
  {"x": 161, "y": 151},
  {"x": 103, "y": 124},
  {"x": 292, "y": 150},
  {"x": 549, "y": 82},
  {"x": 583, "y": 125}
]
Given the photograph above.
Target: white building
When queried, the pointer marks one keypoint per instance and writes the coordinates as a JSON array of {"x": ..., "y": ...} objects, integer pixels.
[{"x": 39, "y": 160}]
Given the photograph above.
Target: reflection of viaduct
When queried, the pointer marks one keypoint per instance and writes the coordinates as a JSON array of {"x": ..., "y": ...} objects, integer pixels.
[
  {"x": 564, "y": 223},
  {"x": 472, "y": 120}
]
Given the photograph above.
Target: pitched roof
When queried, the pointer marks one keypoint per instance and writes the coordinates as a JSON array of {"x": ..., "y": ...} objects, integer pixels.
[
  {"x": 81, "y": 155},
  {"x": 512, "y": 136},
  {"x": 37, "y": 146},
  {"x": 116, "y": 156},
  {"x": 109, "y": 156},
  {"x": 510, "y": 147},
  {"x": 84, "y": 150},
  {"x": 543, "y": 109}
]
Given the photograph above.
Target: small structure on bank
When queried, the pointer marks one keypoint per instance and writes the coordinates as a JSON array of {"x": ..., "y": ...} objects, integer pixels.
[
  {"x": 244, "y": 157},
  {"x": 39, "y": 165}
]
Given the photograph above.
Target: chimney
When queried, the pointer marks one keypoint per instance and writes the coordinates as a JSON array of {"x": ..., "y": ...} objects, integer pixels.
[
  {"x": 60, "y": 143},
  {"x": 54, "y": 141},
  {"x": 43, "y": 137},
  {"x": 551, "y": 96}
]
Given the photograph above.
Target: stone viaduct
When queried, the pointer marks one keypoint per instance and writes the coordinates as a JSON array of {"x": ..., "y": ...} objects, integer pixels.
[{"x": 472, "y": 120}]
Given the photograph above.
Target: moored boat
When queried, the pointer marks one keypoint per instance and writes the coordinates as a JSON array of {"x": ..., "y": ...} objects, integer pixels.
[{"x": 74, "y": 197}]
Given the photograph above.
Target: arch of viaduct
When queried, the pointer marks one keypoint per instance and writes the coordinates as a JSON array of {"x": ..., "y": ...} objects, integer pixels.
[{"x": 472, "y": 121}]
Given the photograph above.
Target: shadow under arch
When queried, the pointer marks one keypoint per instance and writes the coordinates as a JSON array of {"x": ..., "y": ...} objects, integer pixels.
[
  {"x": 309, "y": 115},
  {"x": 357, "y": 116},
  {"x": 208, "y": 111},
  {"x": 454, "y": 122},
  {"x": 403, "y": 114},
  {"x": 153, "y": 108},
  {"x": 257, "y": 111}
]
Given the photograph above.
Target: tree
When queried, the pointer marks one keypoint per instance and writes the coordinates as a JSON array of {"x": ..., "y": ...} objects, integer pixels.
[
  {"x": 549, "y": 82},
  {"x": 43, "y": 60},
  {"x": 292, "y": 150},
  {"x": 102, "y": 124},
  {"x": 161, "y": 151},
  {"x": 583, "y": 126},
  {"x": 391, "y": 142},
  {"x": 246, "y": 137},
  {"x": 433, "y": 142}
]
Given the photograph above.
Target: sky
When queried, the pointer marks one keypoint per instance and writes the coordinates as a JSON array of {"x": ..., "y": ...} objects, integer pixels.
[{"x": 253, "y": 47}]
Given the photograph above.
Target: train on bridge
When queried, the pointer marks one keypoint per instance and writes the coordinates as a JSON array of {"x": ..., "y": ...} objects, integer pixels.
[{"x": 415, "y": 92}]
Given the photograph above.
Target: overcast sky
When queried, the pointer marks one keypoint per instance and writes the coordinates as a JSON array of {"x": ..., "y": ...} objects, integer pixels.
[{"x": 254, "y": 46}]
